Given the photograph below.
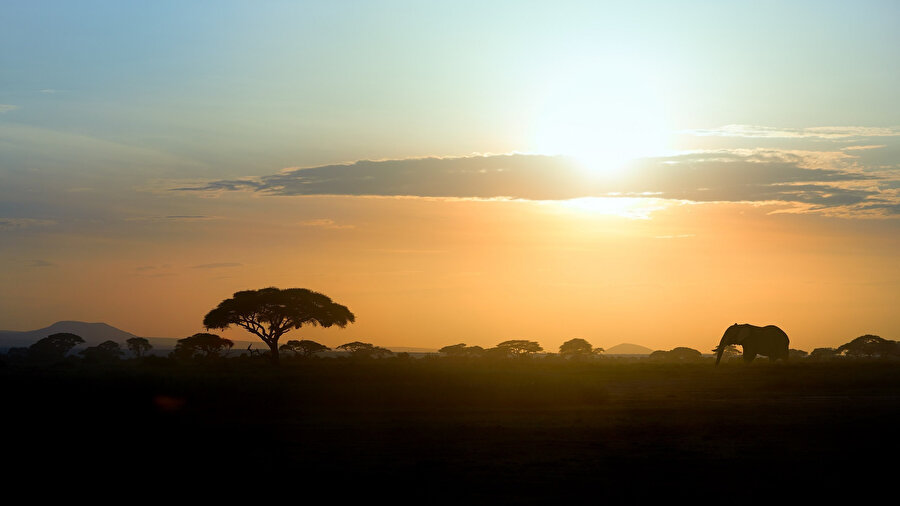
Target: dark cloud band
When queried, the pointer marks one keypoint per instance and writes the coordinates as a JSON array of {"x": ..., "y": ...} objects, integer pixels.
[{"x": 701, "y": 177}]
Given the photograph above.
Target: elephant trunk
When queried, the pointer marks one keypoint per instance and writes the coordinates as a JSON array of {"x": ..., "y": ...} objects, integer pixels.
[{"x": 720, "y": 350}]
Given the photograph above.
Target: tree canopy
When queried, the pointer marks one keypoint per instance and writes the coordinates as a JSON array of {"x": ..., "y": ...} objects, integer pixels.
[
  {"x": 461, "y": 350},
  {"x": 54, "y": 347},
  {"x": 576, "y": 347},
  {"x": 271, "y": 312},
  {"x": 365, "y": 350},
  {"x": 303, "y": 347},
  {"x": 106, "y": 351},
  {"x": 679, "y": 354},
  {"x": 202, "y": 344},
  {"x": 519, "y": 347},
  {"x": 138, "y": 346},
  {"x": 869, "y": 346}
]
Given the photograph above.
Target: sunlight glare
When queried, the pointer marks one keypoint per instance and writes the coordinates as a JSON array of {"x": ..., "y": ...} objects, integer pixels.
[
  {"x": 637, "y": 208},
  {"x": 602, "y": 122}
]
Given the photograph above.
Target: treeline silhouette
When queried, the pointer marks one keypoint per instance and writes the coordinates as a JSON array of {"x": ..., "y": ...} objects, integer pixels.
[{"x": 207, "y": 348}]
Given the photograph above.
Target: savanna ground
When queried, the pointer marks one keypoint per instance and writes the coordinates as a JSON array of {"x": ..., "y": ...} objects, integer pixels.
[{"x": 440, "y": 430}]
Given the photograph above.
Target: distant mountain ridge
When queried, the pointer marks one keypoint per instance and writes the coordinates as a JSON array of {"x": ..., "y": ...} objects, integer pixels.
[
  {"x": 628, "y": 349},
  {"x": 92, "y": 333}
]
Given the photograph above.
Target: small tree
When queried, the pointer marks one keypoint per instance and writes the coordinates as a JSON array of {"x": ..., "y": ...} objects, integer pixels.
[
  {"x": 823, "y": 354},
  {"x": 107, "y": 351},
  {"x": 270, "y": 312},
  {"x": 519, "y": 347},
  {"x": 202, "y": 344},
  {"x": 138, "y": 346},
  {"x": 576, "y": 348},
  {"x": 797, "y": 354},
  {"x": 365, "y": 350},
  {"x": 303, "y": 348},
  {"x": 54, "y": 347},
  {"x": 869, "y": 346},
  {"x": 461, "y": 350},
  {"x": 679, "y": 354}
]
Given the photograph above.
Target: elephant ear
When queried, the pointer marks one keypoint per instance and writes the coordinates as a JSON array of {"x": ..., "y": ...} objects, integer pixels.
[{"x": 743, "y": 333}]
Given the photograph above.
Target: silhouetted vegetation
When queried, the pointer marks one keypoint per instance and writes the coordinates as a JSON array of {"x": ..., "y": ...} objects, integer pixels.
[
  {"x": 461, "y": 350},
  {"x": 365, "y": 350},
  {"x": 106, "y": 351},
  {"x": 797, "y": 354},
  {"x": 869, "y": 346},
  {"x": 53, "y": 348},
  {"x": 271, "y": 312},
  {"x": 517, "y": 348},
  {"x": 578, "y": 348},
  {"x": 204, "y": 345},
  {"x": 138, "y": 346},
  {"x": 823, "y": 354},
  {"x": 680, "y": 354},
  {"x": 303, "y": 348}
]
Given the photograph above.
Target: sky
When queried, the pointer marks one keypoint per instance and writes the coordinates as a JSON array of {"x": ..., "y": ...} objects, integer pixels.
[{"x": 641, "y": 172}]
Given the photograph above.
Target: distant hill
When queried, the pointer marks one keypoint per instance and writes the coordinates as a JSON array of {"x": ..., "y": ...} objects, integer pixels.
[
  {"x": 94, "y": 334},
  {"x": 628, "y": 349}
]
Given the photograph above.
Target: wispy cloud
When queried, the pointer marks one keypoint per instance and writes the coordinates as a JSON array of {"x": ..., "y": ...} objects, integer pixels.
[
  {"x": 324, "y": 223},
  {"x": 220, "y": 265},
  {"x": 22, "y": 223},
  {"x": 861, "y": 148},
  {"x": 42, "y": 263},
  {"x": 825, "y": 132},
  {"x": 7, "y": 107}
]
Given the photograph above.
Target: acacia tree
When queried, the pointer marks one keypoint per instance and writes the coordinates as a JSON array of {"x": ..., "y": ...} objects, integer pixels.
[
  {"x": 576, "y": 347},
  {"x": 138, "y": 346},
  {"x": 202, "y": 344},
  {"x": 54, "y": 347},
  {"x": 365, "y": 350},
  {"x": 519, "y": 347},
  {"x": 303, "y": 347},
  {"x": 271, "y": 312},
  {"x": 461, "y": 350},
  {"x": 107, "y": 351},
  {"x": 869, "y": 346}
]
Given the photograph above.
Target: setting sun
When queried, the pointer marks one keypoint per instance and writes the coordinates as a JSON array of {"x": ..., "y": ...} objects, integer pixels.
[{"x": 603, "y": 119}]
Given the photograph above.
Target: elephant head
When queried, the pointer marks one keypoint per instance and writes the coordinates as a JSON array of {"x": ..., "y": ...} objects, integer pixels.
[
  {"x": 734, "y": 334},
  {"x": 769, "y": 341}
]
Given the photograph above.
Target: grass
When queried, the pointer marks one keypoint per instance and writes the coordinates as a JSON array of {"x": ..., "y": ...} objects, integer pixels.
[{"x": 508, "y": 431}]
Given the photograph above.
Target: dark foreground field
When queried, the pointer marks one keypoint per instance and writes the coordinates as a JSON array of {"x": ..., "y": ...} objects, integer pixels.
[{"x": 430, "y": 431}]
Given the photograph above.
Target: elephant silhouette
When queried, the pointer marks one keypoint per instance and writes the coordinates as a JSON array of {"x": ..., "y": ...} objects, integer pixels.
[{"x": 769, "y": 341}]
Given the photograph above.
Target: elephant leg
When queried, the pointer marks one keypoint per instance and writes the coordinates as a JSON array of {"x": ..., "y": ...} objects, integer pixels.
[{"x": 749, "y": 356}]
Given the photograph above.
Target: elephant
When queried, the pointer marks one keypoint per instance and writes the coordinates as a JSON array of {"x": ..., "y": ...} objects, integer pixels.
[{"x": 769, "y": 341}]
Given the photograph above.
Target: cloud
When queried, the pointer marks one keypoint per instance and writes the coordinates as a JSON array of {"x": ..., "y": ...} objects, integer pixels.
[
  {"x": 7, "y": 107},
  {"x": 174, "y": 217},
  {"x": 324, "y": 223},
  {"x": 826, "y": 132},
  {"x": 23, "y": 223},
  {"x": 533, "y": 177},
  {"x": 815, "y": 180},
  {"x": 42, "y": 263},
  {"x": 860, "y": 148},
  {"x": 220, "y": 265}
]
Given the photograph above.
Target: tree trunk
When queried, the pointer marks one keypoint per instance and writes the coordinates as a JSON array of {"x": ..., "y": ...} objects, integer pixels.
[{"x": 273, "y": 346}]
